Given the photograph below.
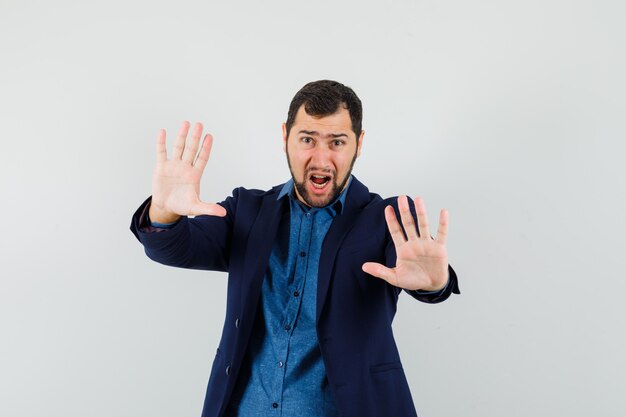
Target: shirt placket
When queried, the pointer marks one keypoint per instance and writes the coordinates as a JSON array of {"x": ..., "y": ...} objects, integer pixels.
[{"x": 295, "y": 299}]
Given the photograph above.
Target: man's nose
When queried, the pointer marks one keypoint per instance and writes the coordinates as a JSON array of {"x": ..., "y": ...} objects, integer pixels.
[{"x": 320, "y": 158}]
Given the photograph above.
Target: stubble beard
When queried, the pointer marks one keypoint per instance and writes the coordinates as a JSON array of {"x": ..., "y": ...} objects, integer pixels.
[{"x": 335, "y": 190}]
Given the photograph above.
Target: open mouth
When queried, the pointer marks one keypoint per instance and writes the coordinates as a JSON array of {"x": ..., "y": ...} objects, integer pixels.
[{"x": 319, "y": 181}]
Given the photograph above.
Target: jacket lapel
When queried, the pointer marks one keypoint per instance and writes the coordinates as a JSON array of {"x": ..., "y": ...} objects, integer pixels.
[
  {"x": 357, "y": 198},
  {"x": 259, "y": 246}
]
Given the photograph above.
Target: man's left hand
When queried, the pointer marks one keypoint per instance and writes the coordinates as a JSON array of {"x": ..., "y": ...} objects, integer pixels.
[{"x": 422, "y": 262}]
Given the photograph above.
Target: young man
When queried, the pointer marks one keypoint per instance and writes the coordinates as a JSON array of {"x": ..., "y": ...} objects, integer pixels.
[{"x": 315, "y": 267}]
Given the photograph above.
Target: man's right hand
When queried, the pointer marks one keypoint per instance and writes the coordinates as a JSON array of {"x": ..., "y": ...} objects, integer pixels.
[{"x": 176, "y": 181}]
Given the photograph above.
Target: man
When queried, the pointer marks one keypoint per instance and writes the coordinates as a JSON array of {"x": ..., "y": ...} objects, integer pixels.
[{"x": 315, "y": 268}]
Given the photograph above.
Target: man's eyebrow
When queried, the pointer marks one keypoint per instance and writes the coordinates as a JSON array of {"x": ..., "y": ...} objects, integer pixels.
[{"x": 316, "y": 133}]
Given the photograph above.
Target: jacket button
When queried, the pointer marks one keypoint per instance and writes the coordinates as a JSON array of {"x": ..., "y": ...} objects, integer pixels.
[
  {"x": 228, "y": 370},
  {"x": 237, "y": 323}
]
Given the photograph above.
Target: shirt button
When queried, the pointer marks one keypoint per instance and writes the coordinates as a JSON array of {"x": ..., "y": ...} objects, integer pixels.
[
  {"x": 296, "y": 293},
  {"x": 308, "y": 214},
  {"x": 287, "y": 327},
  {"x": 228, "y": 370},
  {"x": 275, "y": 405},
  {"x": 303, "y": 254},
  {"x": 280, "y": 364},
  {"x": 237, "y": 323}
]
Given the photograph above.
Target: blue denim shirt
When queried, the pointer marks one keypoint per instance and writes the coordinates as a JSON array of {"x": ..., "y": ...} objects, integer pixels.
[{"x": 283, "y": 373}]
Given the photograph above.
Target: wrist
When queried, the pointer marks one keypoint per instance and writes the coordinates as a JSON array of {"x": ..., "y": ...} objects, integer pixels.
[
  {"x": 437, "y": 287},
  {"x": 158, "y": 215}
]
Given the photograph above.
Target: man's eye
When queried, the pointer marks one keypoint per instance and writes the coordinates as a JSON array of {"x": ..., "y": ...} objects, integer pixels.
[
  {"x": 338, "y": 142},
  {"x": 306, "y": 140}
]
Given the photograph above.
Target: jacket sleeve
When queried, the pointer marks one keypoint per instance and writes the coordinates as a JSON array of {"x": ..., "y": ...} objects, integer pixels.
[{"x": 202, "y": 242}]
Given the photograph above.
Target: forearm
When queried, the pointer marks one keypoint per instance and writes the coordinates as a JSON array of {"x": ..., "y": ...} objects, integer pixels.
[{"x": 199, "y": 243}]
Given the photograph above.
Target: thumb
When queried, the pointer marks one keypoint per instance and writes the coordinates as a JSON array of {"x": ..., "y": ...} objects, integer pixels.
[
  {"x": 201, "y": 208},
  {"x": 380, "y": 271}
]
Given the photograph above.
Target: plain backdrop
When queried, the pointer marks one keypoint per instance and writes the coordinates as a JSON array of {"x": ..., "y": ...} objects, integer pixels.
[{"x": 510, "y": 114}]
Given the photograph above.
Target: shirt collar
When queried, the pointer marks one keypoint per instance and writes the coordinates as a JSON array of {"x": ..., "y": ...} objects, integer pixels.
[{"x": 336, "y": 206}]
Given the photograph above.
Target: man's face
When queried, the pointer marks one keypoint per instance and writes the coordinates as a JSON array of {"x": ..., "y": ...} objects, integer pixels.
[{"x": 320, "y": 153}]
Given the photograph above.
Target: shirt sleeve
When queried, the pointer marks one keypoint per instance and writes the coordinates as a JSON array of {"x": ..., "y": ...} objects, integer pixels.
[{"x": 148, "y": 226}]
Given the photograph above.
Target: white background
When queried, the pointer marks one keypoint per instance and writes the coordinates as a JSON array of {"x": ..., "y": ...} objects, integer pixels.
[{"x": 508, "y": 113}]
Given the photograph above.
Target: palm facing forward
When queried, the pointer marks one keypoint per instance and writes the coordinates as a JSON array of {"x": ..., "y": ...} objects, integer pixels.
[
  {"x": 422, "y": 262},
  {"x": 176, "y": 181}
]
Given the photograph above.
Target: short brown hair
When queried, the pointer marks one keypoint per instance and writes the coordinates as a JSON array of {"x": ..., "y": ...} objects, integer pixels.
[{"x": 323, "y": 98}]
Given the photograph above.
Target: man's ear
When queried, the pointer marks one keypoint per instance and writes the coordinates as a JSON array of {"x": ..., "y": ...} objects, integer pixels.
[
  {"x": 284, "y": 137},
  {"x": 359, "y": 143}
]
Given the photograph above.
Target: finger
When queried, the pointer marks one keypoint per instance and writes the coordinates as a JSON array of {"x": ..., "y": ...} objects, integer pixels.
[
  {"x": 179, "y": 143},
  {"x": 422, "y": 219},
  {"x": 205, "y": 152},
  {"x": 394, "y": 227},
  {"x": 407, "y": 218},
  {"x": 442, "y": 232},
  {"x": 191, "y": 148},
  {"x": 161, "y": 151},
  {"x": 201, "y": 208},
  {"x": 380, "y": 271}
]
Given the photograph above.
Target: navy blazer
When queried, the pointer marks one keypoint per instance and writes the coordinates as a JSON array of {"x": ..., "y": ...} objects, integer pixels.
[{"x": 354, "y": 309}]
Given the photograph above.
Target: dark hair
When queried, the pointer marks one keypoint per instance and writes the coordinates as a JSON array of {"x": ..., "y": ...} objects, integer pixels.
[{"x": 323, "y": 98}]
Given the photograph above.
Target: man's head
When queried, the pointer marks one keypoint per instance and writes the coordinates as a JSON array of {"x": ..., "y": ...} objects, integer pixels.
[{"x": 322, "y": 139}]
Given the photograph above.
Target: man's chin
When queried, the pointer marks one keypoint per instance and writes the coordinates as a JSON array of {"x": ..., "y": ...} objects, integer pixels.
[{"x": 317, "y": 201}]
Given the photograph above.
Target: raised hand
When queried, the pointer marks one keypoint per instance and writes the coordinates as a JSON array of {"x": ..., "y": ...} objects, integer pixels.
[
  {"x": 176, "y": 181},
  {"x": 422, "y": 262}
]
